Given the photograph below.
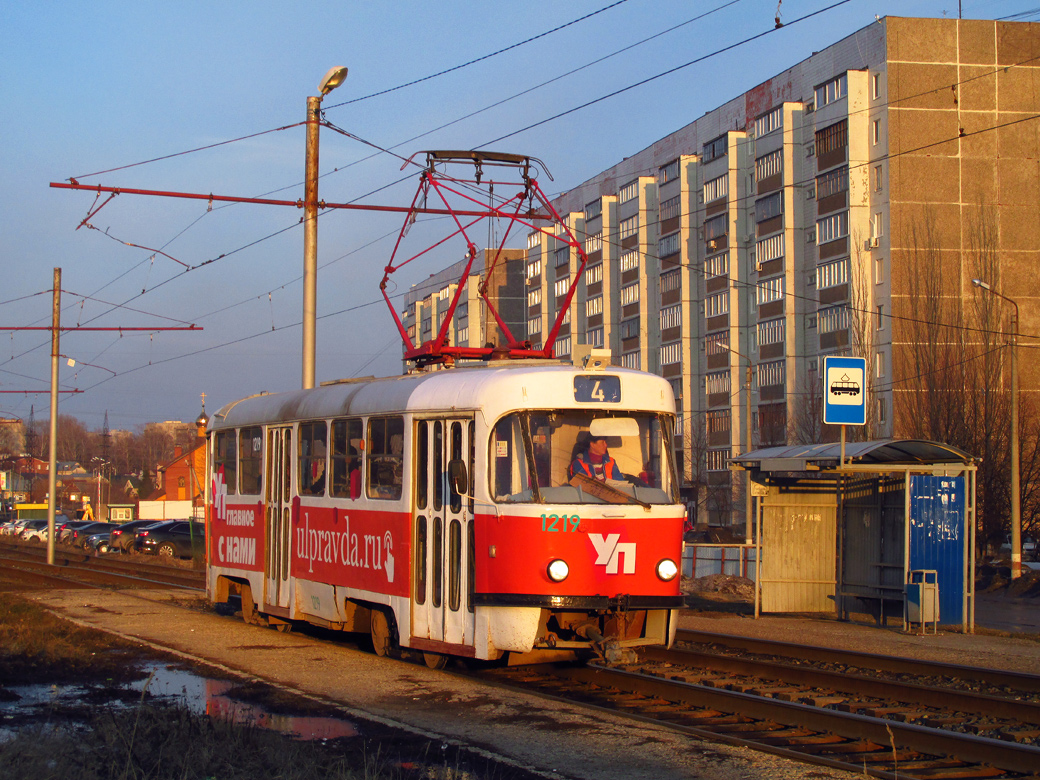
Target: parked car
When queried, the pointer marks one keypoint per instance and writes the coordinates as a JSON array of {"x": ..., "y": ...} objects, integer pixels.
[
  {"x": 79, "y": 536},
  {"x": 65, "y": 537},
  {"x": 174, "y": 538},
  {"x": 99, "y": 543},
  {"x": 14, "y": 527},
  {"x": 122, "y": 537},
  {"x": 34, "y": 531}
]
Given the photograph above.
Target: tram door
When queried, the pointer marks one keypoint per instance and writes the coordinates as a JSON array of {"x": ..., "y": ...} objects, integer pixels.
[
  {"x": 443, "y": 528},
  {"x": 279, "y": 510}
]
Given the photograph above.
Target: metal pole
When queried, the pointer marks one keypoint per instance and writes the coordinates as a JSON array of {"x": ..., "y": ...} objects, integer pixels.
[
  {"x": 310, "y": 240},
  {"x": 52, "y": 476},
  {"x": 1016, "y": 499},
  {"x": 747, "y": 509}
]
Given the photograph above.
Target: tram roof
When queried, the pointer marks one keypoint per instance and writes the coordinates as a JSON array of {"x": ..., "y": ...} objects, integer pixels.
[{"x": 492, "y": 389}]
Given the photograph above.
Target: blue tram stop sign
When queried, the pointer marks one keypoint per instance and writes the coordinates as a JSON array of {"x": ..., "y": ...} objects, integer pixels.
[{"x": 845, "y": 390}]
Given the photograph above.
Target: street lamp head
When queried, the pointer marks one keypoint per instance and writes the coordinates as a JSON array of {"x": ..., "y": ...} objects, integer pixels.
[
  {"x": 980, "y": 283},
  {"x": 332, "y": 79}
]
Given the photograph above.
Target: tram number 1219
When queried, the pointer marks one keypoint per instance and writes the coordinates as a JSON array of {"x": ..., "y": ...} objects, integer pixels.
[{"x": 556, "y": 524}]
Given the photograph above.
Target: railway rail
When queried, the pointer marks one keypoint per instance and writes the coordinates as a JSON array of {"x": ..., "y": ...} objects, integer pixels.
[{"x": 26, "y": 563}]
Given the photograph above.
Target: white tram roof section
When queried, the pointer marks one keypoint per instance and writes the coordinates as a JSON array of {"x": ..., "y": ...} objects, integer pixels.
[{"x": 492, "y": 390}]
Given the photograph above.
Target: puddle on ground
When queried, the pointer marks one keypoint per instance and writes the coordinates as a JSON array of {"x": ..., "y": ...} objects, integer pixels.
[{"x": 201, "y": 695}]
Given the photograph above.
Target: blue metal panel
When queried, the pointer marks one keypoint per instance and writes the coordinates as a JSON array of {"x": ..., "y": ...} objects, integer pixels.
[{"x": 937, "y": 538}]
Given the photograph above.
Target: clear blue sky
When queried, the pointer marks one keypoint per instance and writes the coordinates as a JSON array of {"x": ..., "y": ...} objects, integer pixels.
[{"x": 91, "y": 87}]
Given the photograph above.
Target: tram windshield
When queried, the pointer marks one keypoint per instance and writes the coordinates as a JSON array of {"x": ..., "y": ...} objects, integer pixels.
[{"x": 582, "y": 457}]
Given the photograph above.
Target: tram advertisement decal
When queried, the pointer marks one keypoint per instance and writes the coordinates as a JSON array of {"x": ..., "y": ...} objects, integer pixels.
[
  {"x": 351, "y": 547},
  {"x": 237, "y": 532}
]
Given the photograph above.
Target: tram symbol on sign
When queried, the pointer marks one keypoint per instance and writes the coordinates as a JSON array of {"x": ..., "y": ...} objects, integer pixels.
[{"x": 844, "y": 386}]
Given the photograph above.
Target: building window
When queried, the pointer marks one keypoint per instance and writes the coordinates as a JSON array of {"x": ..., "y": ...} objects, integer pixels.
[
  {"x": 462, "y": 337},
  {"x": 716, "y": 265},
  {"x": 832, "y": 138},
  {"x": 628, "y": 192},
  {"x": 770, "y": 290},
  {"x": 594, "y": 337},
  {"x": 832, "y": 274},
  {"x": 443, "y": 293},
  {"x": 875, "y": 131},
  {"x": 670, "y": 281},
  {"x": 769, "y": 122},
  {"x": 669, "y": 172},
  {"x": 771, "y": 332},
  {"x": 534, "y": 240},
  {"x": 879, "y": 270},
  {"x": 714, "y": 149},
  {"x": 719, "y": 421},
  {"x": 770, "y": 248},
  {"x": 716, "y": 305},
  {"x": 769, "y": 207},
  {"x": 770, "y": 374},
  {"x": 593, "y": 243},
  {"x": 832, "y": 228},
  {"x": 880, "y": 316},
  {"x": 875, "y": 86},
  {"x": 832, "y": 182},
  {"x": 630, "y": 360},
  {"x": 769, "y": 165},
  {"x": 878, "y": 179},
  {"x": 716, "y": 343},
  {"x": 562, "y": 346},
  {"x": 534, "y": 325},
  {"x": 879, "y": 364},
  {"x": 671, "y": 208},
  {"x": 877, "y": 226},
  {"x": 668, "y": 245},
  {"x": 629, "y": 261},
  {"x": 671, "y": 316},
  {"x": 630, "y": 328},
  {"x": 561, "y": 287},
  {"x": 562, "y": 256},
  {"x": 593, "y": 210},
  {"x": 534, "y": 297},
  {"x": 594, "y": 274},
  {"x": 628, "y": 227},
  {"x": 715, "y": 227},
  {"x": 671, "y": 354},
  {"x": 716, "y": 189},
  {"x": 717, "y": 382},
  {"x": 833, "y": 319},
  {"x": 630, "y": 294},
  {"x": 594, "y": 306},
  {"x": 881, "y": 411},
  {"x": 534, "y": 269},
  {"x": 828, "y": 92}
]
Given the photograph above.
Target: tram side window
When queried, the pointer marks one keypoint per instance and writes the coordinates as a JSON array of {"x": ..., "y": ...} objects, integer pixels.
[
  {"x": 347, "y": 445},
  {"x": 250, "y": 459},
  {"x": 385, "y": 457},
  {"x": 312, "y": 449},
  {"x": 225, "y": 460}
]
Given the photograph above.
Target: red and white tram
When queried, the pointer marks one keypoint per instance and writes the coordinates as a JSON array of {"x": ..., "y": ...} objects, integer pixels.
[{"x": 438, "y": 511}]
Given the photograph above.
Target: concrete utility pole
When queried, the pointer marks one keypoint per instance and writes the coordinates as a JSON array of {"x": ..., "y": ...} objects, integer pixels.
[
  {"x": 1016, "y": 497},
  {"x": 332, "y": 79}
]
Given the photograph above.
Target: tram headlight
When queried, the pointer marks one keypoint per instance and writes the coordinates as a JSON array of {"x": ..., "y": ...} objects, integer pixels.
[
  {"x": 667, "y": 569},
  {"x": 558, "y": 570}
]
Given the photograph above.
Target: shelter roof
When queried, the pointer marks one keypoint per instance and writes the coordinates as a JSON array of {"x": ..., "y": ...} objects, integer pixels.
[{"x": 880, "y": 453}]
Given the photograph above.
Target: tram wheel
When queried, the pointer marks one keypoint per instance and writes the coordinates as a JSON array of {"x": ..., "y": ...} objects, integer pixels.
[
  {"x": 435, "y": 660},
  {"x": 384, "y": 642},
  {"x": 283, "y": 628}
]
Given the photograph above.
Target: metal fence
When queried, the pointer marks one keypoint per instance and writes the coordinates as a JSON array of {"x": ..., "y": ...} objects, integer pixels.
[{"x": 702, "y": 560}]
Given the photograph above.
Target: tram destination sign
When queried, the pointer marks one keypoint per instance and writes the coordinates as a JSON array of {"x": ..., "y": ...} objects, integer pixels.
[
  {"x": 601, "y": 389},
  {"x": 844, "y": 391}
]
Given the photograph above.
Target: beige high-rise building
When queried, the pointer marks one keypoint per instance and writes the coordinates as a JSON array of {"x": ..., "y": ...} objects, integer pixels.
[{"x": 835, "y": 209}]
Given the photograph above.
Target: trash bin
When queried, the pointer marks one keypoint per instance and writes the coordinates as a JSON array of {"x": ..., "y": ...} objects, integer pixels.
[{"x": 922, "y": 598}]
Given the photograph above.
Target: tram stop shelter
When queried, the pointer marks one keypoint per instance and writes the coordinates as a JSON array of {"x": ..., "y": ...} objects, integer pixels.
[{"x": 880, "y": 527}]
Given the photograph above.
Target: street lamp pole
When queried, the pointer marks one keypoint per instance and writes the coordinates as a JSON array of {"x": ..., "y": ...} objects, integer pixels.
[
  {"x": 332, "y": 79},
  {"x": 1016, "y": 498}
]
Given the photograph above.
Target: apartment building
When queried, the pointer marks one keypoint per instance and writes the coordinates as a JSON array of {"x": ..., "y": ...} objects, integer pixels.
[
  {"x": 428, "y": 304},
  {"x": 789, "y": 224}
]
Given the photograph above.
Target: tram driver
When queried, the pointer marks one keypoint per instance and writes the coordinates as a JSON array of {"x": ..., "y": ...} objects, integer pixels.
[{"x": 593, "y": 460}]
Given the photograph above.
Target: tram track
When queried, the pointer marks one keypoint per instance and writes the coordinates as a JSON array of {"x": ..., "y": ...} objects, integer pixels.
[
  {"x": 27, "y": 564},
  {"x": 852, "y": 741}
]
